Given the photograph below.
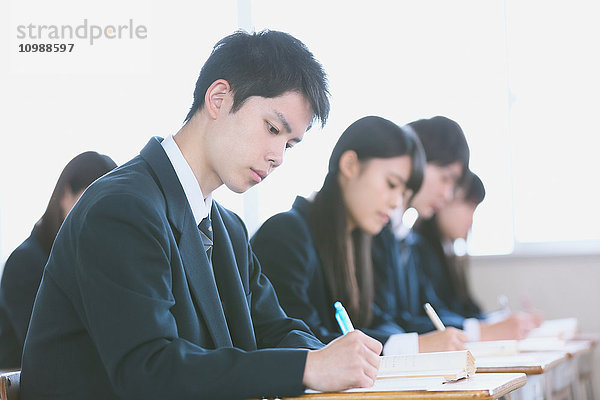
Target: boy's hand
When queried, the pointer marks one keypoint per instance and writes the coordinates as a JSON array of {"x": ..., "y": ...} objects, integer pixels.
[{"x": 349, "y": 361}]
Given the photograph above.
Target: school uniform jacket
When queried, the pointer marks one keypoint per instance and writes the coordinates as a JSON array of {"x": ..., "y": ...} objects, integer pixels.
[
  {"x": 402, "y": 288},
  {"x": 438, "y": 272},
  {"x": 288, "y": 256},
  {"x": 20, "y": 281},
  {"x": 129, "y": 307}
]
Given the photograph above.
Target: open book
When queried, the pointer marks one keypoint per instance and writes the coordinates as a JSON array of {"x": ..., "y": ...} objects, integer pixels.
[
  {"x": 549, "y": 343},
  {"x": 564, "y": 328},
  {"x": 493, "y": 348},
  {"x": 450, "y": 365}
]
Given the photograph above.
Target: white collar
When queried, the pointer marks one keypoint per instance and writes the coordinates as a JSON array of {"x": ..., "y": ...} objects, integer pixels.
[{"x": 200, "y": 206}]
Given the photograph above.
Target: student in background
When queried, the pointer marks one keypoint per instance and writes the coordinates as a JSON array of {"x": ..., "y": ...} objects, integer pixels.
[
  {"x": 403, "y": 287},
  {"x": 24, "y": 267},
  {"x": 400, "y": 288},
  {"x": 152, "y": 290},
  {"x": 319, "y": 252},
  {"x": 446, "y": 271},
  {"x": 442, "y": 266}
]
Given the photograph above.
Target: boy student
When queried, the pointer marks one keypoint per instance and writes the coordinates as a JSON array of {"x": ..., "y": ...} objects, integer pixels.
[{"x": 152, "y": 291}]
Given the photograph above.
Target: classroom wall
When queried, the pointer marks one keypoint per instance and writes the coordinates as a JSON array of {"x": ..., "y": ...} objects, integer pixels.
[{"x": 559, "y": 286}]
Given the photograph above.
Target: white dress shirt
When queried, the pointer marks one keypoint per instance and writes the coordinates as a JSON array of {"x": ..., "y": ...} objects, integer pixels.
[{"x": 191, "y": 187}]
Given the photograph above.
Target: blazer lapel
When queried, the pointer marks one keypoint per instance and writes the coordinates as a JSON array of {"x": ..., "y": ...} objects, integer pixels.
[
  {"x": 230, "y": 286},
  {"x": 202, "y": 283},
  {"x": 195, "y": 261}
]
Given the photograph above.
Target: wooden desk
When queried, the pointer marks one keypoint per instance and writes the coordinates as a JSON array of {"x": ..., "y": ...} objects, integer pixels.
[
  {"x": 9, "y": 385},
  {"x": 527, "y": 363},
  {"x": 549, "y": 375},
  {"x": 479, "y": 386}
]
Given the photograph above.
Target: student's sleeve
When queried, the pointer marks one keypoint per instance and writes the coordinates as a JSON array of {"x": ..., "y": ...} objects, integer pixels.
[
  {"x": 383, "y": 326},
  {"x": 423, "y": 255},
  {"x": 20, "y": 282},
  {"x": 387, "y": 265},
  {"x": 448, "y": 316},
  {"x": 397, "y": 266},
  {"x": 284, "y": 248},
  {"x": 411, "y": 316},
  {"x": 123, "y": 272},
  {"x": 384, "y": 274},
  {"x": 273, "y": 328},
  {"x": 10, "y": 353},
  {"x": 393, "y": 337},
  {"x": 435, "y": 270}
]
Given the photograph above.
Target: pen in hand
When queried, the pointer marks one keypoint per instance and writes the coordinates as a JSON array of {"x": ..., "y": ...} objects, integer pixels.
[
  {"x": 437, "y": 322},
  {"x": 342, "y": 318}
]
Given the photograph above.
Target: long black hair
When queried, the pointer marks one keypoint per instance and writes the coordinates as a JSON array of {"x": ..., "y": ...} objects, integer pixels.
[
  {"x": 77, "y": 175},
  {"x": 352, "y": 282},
  {"x": 471, "y": 191},
  {"x": 443, "y": 141}
]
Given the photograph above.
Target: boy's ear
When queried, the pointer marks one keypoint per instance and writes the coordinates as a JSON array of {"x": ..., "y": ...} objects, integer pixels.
[
  {"x": 215, "y": 95},
  {"x": 349, "y": 164}
]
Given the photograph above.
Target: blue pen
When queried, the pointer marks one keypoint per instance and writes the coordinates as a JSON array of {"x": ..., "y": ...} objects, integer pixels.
[{"x": 342, "y": 318}]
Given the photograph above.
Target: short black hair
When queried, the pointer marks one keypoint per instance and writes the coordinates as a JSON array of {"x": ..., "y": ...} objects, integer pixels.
[{"x": 266, "y": 64}]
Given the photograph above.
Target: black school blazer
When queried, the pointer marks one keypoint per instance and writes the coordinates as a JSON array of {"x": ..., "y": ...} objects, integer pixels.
[{"x": 128, "y": 307}]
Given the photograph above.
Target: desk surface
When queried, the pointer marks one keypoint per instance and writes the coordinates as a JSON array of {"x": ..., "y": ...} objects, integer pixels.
[
  {"x": 576, "y": 347},
  {"x": 527, "y": 363},
  {"x": 479, "y": 386},
  {"x": 571, "y": 347},
  {"x": 593, "y": 337}
]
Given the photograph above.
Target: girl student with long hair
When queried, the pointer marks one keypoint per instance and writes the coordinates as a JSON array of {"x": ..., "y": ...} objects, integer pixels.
[
  {"x": 446, "y": 270},
  {"x": 319, "y": 252},
  {"x": 400, "y": 257},
  {"x": 24, "y": 267}
]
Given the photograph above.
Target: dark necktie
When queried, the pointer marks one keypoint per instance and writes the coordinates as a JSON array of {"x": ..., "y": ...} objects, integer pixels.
[{"x": 207, "y": 236}]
